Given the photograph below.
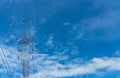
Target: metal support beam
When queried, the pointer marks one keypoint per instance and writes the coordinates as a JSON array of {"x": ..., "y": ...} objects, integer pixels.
[
  {"x": 25, "y": 68},
  {"x": 25, "y": 49}
]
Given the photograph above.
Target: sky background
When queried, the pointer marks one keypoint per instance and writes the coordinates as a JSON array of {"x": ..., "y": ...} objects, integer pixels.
[{"x": 72, "y": 38}]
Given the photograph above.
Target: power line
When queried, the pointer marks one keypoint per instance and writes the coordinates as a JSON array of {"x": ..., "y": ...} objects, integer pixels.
[
  {"x": 5, "y": 59},
  {"x": 5, "y": 65},
  {"x": 12, "y": 73}
]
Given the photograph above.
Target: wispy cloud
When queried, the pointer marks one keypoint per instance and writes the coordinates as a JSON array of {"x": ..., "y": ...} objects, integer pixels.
[
  {"x": 60, "y": 65},
  {"x": 50, "y": 41},
  {"x": 52, "y": 66},
  {"x": 93, "y": 66},
  {"x": 106, "y": 23}
]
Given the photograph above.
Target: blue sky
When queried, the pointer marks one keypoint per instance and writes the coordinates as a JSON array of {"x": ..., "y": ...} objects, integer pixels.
[{"x": 72, "y": 38}]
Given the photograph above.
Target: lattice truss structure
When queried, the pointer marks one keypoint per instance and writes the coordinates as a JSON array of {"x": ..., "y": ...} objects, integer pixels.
[{"x": 25, "y": 48}]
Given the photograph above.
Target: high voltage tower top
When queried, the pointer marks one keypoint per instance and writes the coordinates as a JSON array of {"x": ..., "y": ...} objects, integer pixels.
[{"x": 25, "y": 49}]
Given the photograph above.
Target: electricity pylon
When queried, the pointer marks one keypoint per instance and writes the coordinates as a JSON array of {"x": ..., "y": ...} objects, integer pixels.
[{"x": 25, "y": 49}]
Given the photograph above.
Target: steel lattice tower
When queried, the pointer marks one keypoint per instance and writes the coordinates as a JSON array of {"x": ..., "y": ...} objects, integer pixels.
[{"x": 25, "y": 49}]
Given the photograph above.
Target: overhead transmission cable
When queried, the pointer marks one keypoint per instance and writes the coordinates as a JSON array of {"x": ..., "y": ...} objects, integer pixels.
[
  {"x": 8, "y": 71},
  {"x": 3, "y": 56},
  {"x": 12, "y": 73}
]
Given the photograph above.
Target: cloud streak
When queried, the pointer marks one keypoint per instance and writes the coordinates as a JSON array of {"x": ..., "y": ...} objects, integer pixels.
[
  {"x": 93, "y": 66},
  {"x": 52, "y": 66},
  {"x": 106, "y": 22}
]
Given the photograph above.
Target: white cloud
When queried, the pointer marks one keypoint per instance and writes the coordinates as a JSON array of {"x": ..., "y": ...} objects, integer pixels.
[
  {"x": 31, "y": 31},
  {"x": 52, "y": 67},
  {"x": 50, "y": 41},
  {"x": 117, "y": 53},
  {"x": 66, "y": 23},
  {"x": 11, "y": 56},
  {"x": 106, "y": 23},
  {"x": 93, "y": 66}
]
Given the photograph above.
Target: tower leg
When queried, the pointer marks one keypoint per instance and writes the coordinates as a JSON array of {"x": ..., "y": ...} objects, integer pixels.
[{"x": 25, "y": 68}]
